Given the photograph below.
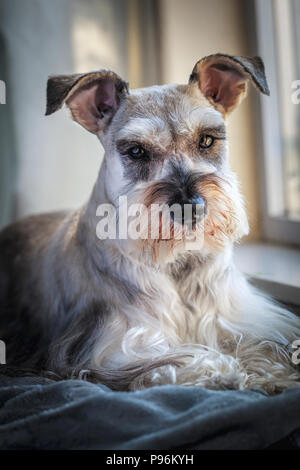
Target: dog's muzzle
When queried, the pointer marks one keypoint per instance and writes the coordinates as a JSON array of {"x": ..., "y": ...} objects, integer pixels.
[{"x": 192, "y": 210}]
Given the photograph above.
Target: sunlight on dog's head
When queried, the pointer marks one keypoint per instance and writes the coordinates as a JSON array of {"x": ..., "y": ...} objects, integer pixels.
[{"x": 167, "y": 145}]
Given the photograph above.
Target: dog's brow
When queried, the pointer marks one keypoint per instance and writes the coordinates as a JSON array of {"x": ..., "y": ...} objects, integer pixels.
[
  {"x": 204, "y": 117},
  {"x": 216, "y": 131},
  {"x": 142, "y": 127}
]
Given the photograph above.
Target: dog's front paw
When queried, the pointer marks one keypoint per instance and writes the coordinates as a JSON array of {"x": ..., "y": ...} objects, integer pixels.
[{"x": 232, "y": 381}]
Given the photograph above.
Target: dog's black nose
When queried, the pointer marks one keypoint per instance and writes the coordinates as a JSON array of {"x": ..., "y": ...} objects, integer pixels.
[{"x": 192, "y": 210}]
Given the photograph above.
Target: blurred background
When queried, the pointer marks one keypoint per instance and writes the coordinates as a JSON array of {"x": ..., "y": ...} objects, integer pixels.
[{"x": 50, "y": 163}]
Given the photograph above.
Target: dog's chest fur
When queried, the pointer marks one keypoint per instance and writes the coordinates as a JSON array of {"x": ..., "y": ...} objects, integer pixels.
[{"x": 170, "y": 306}]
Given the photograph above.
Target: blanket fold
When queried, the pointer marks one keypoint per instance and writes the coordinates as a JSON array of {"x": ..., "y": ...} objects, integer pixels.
[{"x": 38, "y": 413}]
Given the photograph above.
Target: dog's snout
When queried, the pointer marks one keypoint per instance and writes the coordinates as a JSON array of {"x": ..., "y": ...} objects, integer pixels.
[
  {"x": 197, "y": 201},
  {"x": 185, "y": 192},
  {"x": 192, "y": 209}
]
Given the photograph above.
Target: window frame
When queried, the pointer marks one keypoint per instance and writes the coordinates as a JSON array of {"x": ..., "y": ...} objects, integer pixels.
[{"x": 275, "y": 226}]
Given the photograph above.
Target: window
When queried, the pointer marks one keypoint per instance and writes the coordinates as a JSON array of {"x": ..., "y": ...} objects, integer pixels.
[{"x": 278, "y": 35}]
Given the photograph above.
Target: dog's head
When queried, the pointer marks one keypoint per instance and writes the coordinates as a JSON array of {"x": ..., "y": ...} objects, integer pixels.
[{"x": 165, "y": 146}]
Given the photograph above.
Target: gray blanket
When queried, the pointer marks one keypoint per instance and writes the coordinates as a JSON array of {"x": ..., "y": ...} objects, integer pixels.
[{"x": 40, "y": 414}]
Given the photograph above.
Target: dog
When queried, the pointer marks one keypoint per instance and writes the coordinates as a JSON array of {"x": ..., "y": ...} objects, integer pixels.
[{"x": 137, "y": 312}]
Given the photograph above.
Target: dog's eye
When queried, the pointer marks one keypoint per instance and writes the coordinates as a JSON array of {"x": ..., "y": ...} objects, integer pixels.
[
  {"x": 206, "y": 141},
  {"x": 136, "y": 151}
]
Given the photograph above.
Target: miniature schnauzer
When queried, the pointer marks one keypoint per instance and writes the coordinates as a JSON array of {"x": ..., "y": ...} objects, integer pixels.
[{"x": 132, "y": 312}]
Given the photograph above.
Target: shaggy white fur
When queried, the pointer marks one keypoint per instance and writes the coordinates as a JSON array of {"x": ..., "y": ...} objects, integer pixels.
[{"x": 148, "y": 311}]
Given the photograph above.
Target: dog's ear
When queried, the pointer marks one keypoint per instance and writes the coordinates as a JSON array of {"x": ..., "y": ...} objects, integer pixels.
[
  {"x": 93, "y": 98},
  {"x": 223, "y": 79}
]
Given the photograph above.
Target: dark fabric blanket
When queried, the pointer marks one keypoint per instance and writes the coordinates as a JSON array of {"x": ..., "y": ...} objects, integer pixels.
[{"x": 37, "y": 413}]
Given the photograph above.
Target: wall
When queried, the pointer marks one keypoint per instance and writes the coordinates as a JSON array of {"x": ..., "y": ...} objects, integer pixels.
[{"x": 57, "y": 161}]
